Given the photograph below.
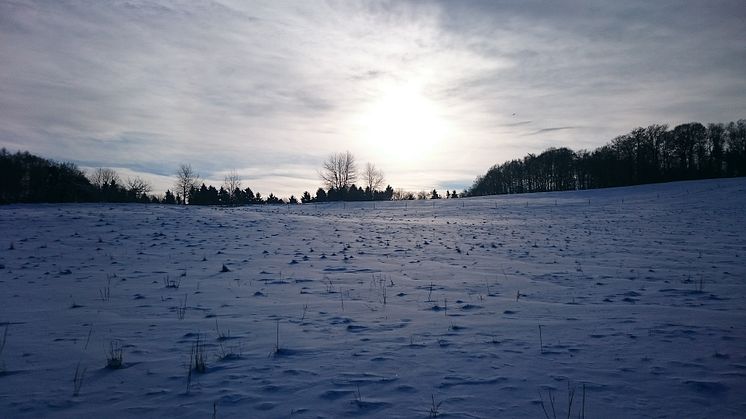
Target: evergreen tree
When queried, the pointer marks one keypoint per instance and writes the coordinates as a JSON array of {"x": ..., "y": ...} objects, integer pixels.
[
  {"x": 388, "y": 193},
  {"x": 321, "y": 195},
  {"x": 224, "y": 197},
  {"x": 273, "y": 200},
  {"x": 169, "y": 198}
]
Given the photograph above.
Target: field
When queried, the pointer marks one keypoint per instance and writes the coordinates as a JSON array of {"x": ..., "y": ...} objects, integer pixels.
[{"x": 630, "y": 300}]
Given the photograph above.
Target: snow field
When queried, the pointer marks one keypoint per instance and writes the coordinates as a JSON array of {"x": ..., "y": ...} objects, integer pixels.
[{"x": 465, "y": 308}]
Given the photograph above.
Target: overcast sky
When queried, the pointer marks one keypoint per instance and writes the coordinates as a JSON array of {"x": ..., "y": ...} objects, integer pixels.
[{"x": 432, "y": 92}]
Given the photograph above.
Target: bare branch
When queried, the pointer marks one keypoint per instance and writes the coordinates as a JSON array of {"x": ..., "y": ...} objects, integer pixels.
[
  {"x": 339, "y": 171},
  {"x": 186, "y": 179},
  {"x": 138, "y": 186},
  {"x": 373, "y": 178},
  {"x": 103, "y": 176},
  {"x": 231, "y": 183}
]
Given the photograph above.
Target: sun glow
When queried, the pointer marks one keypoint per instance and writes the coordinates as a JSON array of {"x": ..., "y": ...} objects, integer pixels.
[{"x": 403, "y": 124}]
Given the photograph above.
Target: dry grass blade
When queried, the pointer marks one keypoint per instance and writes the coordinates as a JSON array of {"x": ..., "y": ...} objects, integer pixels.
[{"x": 78, "y": 379}]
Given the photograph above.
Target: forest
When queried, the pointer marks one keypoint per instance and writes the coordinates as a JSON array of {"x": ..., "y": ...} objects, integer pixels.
[{"x": 645, "y": 155}]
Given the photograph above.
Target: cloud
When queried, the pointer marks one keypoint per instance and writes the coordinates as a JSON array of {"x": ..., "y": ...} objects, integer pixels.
[
  {"x": 271, "y": 88},
  {"x": 551, "y": 129}
]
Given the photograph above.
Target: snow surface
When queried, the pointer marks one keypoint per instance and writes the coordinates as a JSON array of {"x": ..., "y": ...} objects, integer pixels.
[{"x": 639, "y": 294}]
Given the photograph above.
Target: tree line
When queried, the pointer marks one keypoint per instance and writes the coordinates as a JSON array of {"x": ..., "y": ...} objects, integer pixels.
[
  {"x": 230, "y": 193},
  {"x": 25, "y": 177},
  {"x": 340, "y": 172},
  {"x": 644, "y": 155}
]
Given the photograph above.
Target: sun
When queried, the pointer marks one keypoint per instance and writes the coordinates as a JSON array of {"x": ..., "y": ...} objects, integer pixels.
[{"x": 403, "y": 124}]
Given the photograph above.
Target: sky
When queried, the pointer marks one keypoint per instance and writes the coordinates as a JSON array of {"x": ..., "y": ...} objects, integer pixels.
[{"x": 431, "y": 92}]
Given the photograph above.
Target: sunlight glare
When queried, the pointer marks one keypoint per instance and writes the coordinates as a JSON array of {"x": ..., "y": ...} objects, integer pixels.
[{"x": 403, "y": 125}]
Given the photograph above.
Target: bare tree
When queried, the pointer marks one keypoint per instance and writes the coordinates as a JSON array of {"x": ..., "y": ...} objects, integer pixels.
[
  {"x": 186, "y": 179},
  {"x": 339, "y": 171},
  {"x": 402, "y": 195},
  {"x": 103, "y": 176},
  {"x": 138, "y": 186},
  {"x": 373, "y": 178},
  {"x": 231, "y": 183}
]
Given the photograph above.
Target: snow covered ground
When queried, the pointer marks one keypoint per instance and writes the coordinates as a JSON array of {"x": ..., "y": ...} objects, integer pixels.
[{"x": 470, "y": 308}]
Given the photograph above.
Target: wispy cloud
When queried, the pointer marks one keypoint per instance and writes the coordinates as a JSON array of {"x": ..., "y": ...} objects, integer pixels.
[
  {"x": 270, "y": 88},
  {"x": 550, "y": 129}
]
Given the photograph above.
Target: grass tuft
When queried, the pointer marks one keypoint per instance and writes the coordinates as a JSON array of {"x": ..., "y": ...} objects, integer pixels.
[
  {"x": 105, "y": 293},
  {"x": 115, "y": 355},
  {"x": 198, "y": 358},
  {"x": 171, "y": 283},
  {"x": 570, "y": 399},
  {"x": 223, "y": 334},
  {"x": 197, "y": 361},
  {"x": 435, "y": 407},
  {"x": 182, "y": 308},
  {"x": 276, "y": 349}
]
